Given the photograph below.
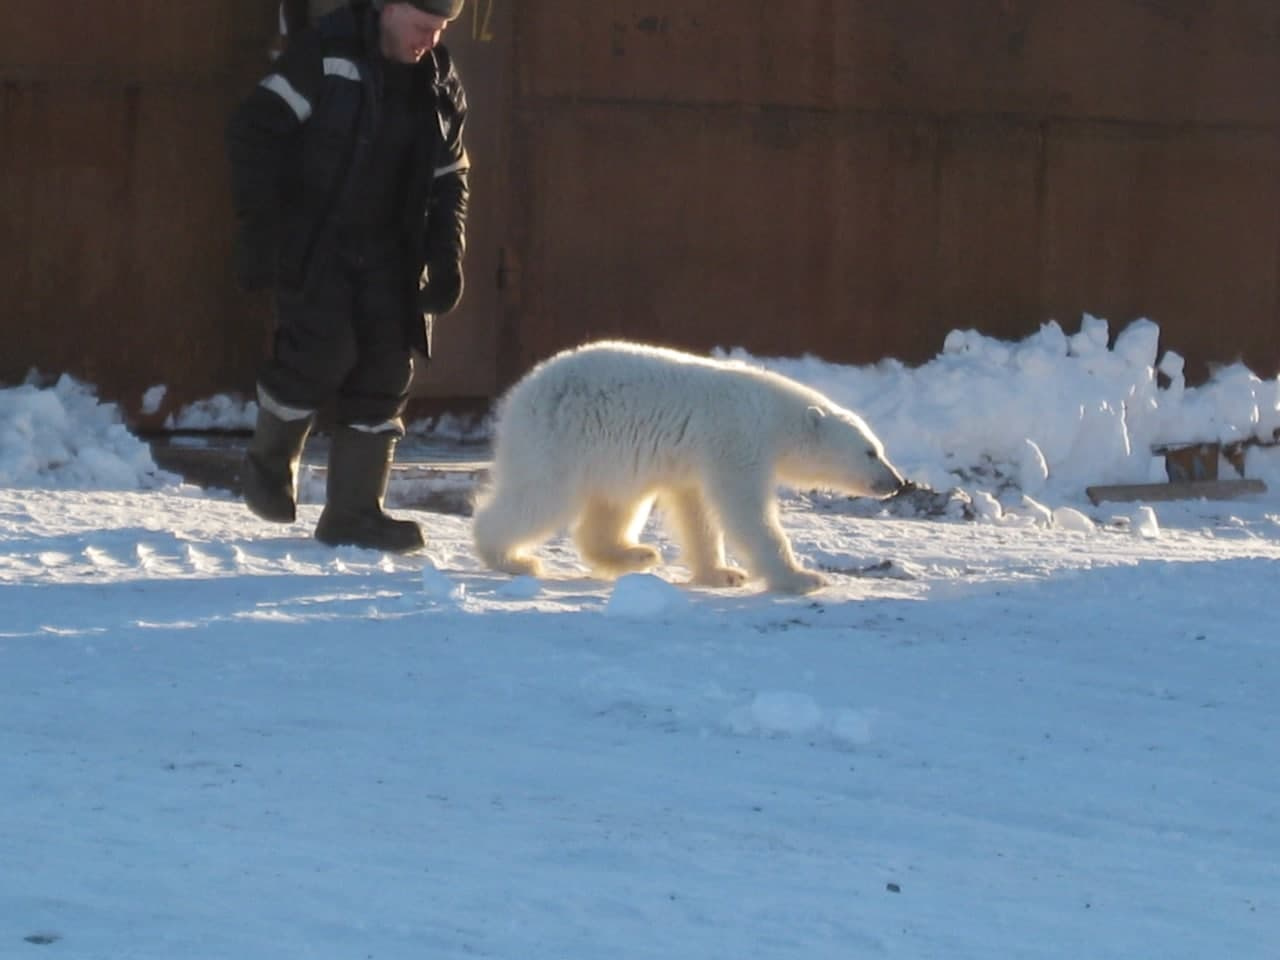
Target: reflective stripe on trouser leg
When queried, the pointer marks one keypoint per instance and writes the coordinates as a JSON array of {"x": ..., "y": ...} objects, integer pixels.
[
  {"x": 280, "y": 410},
  {"x": 394, "y": 426}
]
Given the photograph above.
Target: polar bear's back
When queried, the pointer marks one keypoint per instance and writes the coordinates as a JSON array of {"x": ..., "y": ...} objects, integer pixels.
[{"x": 620, "y": 414}]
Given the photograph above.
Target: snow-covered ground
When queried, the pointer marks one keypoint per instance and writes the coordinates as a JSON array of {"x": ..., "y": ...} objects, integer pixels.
[{"x": 1049, "y": 731}]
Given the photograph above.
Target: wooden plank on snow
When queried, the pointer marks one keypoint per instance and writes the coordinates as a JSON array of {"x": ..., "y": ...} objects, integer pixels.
[{"x": 1188, "y": 490}]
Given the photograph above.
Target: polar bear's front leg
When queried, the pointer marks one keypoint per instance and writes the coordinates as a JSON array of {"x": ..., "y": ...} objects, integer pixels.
[
  {"x": 701, "y": 539},
  {"x": 606, "y": 537},
  {"x": 512, "y": 520},
  {"x": 749, "y": 511}
]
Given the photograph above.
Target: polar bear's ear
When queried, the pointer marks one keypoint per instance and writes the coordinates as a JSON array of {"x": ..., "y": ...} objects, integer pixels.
[{"x": 814, "y": 416}]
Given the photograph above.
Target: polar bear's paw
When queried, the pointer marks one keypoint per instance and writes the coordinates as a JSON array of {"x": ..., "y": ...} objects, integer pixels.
[
  {"x": 720, "y": 577},
  {"x": 517, "y": 564},
  {"x": 796, "y": 581},
  {"x": 633, "y": 558}
]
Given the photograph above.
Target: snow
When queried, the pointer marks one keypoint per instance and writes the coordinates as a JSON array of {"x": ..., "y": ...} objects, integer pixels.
[{"x": 1044, "y": 732}]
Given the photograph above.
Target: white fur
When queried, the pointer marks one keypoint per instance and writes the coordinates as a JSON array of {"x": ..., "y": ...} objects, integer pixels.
[{"x": 592, "y": 436}]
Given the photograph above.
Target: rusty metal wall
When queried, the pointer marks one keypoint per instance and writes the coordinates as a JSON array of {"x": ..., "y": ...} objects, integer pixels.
[
  {"x": 855, "y": 178},
  {"x": 852, "y": 178},
  {"x": 114, "y": 221}
]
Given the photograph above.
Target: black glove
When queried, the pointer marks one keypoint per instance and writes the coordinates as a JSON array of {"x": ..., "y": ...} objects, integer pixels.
[
  {"x": 254, "y": 258},
  {"x": 443, "y": 289}
]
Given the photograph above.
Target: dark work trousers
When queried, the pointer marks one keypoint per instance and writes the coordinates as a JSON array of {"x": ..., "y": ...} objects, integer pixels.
[{"x": 344, "y": 340}]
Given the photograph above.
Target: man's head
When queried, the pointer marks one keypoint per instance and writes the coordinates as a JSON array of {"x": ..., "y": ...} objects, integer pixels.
[{"x": 409, "y": 29}]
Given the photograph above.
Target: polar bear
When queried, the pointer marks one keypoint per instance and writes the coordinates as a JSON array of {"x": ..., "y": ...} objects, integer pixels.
[{"x": 591, "y": 437}]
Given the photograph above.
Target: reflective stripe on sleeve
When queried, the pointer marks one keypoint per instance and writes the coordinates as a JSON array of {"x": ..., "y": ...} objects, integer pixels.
[
  {"x": 283, "y": 89},
  {"x": 341, "y": 67}
]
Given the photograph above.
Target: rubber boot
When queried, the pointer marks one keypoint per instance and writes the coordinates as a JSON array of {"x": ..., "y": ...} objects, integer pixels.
[
  {"x": 269, "y": 473},
  {"x": 359, "y": 468}
]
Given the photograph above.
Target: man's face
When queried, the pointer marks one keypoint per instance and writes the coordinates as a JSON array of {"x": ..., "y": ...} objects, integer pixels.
[{"x": 408, "y": 34}]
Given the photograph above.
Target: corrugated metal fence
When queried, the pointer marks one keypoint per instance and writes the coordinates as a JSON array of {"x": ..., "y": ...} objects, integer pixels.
[
  {"x": 852, "y": 178},
  {"x": 857, "y": 177},
  {"x": 114, "y": 230}
]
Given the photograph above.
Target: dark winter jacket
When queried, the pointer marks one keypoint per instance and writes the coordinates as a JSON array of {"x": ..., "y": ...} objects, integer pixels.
[{"x": 296, "y": 145}]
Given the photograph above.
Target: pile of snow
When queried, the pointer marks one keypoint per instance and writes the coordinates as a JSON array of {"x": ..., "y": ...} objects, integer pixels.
[
  {"x": 60, "y": 436},
  {"x": 1051, "y": 414},
  {"x": 1014, "y": 425},
  {"x": 223, "y": 412}
]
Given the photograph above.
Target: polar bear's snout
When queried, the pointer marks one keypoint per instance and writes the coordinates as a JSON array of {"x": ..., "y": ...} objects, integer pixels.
[
  {"x": 888, "y": 481},
  {"x": 881, "y": 478}
]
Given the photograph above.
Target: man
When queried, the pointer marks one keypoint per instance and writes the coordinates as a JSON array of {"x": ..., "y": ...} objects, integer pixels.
[{"x": 349, "y": 178}]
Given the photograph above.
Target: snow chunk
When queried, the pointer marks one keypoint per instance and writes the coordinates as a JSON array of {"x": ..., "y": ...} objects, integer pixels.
[
  {"x": 779, "y": 713},
  {"x": 153, "y": 398},
  {"x": 520, "y": 588},
  {"x": 1144, "y": 523},
  {"x": 986, "y": 507},
  {"x": 438, "y": 587},
  {"x": 1039, "y": 513},
  {"x": 643, "y": 596},
  {"x": 786, "y": 713},
  {"x": 1069, "y": 518}
]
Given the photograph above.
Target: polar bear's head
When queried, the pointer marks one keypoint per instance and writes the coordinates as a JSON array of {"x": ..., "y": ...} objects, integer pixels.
[{"x": 836, "y": 450}]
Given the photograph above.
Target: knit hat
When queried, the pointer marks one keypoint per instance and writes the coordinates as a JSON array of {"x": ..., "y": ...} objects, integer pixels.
[{"x": 449, "y": 9}]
